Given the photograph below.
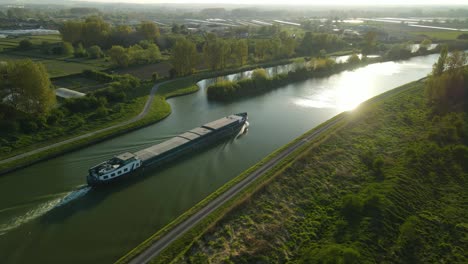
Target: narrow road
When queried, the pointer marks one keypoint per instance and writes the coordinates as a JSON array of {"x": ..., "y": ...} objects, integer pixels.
[
  {"x": 183, "y": 227},
  {"x": 142, "y": 114}
]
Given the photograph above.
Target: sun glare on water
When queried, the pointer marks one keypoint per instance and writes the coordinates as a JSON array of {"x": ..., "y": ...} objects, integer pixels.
[{"x": 347, "y": 90}]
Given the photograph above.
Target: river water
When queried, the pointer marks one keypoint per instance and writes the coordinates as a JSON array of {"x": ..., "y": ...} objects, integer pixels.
[{"x": 48, "y": 215}]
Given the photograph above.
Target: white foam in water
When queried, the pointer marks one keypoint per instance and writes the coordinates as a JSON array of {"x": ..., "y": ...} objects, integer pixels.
[
  {"x": 73, "y": 195},
  {"x": 42, "y": 209}
]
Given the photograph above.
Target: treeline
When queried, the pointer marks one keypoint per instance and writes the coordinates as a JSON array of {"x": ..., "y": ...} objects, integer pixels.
[
  {"x": 143, "y": 53},
  {"x": 218, "y": 53},
  {"x": 95, "y": 31},
  {"x": 261, "y": 82},
  {"x": 446, "y": 87}
]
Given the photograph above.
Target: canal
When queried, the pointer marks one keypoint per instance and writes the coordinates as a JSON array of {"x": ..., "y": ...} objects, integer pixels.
[{"x": 48, "y": 215}]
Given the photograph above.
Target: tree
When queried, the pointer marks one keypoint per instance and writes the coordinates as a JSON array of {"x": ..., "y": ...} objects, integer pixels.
[
  {"x": 446, "y": 87},
  {"x": 149, "y": 30},
  {"x": 370, "y": 42},
  {"x": 353, "y": 59},
  {"x": 216, "y": 52},
  {"x": 29, "y": 86},
  {"x": 80, "y": 51},
  {"x": 72, "y": 31},
  {"x": 95, "y": 52},
  {"x": 439, "y": 67},
  {"x": 153, "y": 53},
  {"x": 25, "y": 44},
  {"x": 175, "y": 28},
  {"x": 425, "y": 44},
  {"x": 184, "y": 56},
  {"x": 95, "y": 31},
  {"x": 67, "y": 48},
  {"x": 240, "y": 52},
  {"x": 119, "y": 56}
]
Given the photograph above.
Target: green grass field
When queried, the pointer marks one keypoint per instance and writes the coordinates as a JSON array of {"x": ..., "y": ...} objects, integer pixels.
[
  {"x": 438, "y": 35},
  {"x": 56, "y": 65}
]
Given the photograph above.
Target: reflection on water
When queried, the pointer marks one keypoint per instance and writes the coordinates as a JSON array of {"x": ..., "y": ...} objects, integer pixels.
[
  {"x": 108, "y": 223},
  {"x": 351, "y": 88}
]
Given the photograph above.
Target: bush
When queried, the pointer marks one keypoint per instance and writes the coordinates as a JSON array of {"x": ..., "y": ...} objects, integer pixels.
[
  {"x": 353, "y": 59},
  {"x": 154, "y": 76},
  {"x": 25, "y": 44},
  {"x": 111, "y": 95},
  {"x": 29, "y": 126},
  {"x": 95, "y": 52},
  {"x": 9, "y": 126},
  {"x": 67, "y": 48},
  {"x": 101, "y": 112},
  {"x": 55, "y": 116},
  {"x": 82, "y": 104},
  {"x": 80, "y": 52},
  {"x": 351, "y": 208},
  {"x": 76, "y": 121}
]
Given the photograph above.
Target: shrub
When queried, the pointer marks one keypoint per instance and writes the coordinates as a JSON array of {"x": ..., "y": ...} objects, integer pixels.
[
  {"x": 80, "y": 52},
  {"x": 95, "y": 52},
  {"x": 101, "y": 112},
  {"x": 8, "y": 126},
  {"x": 25, "y": 44},
  {"x": 353, "y": 59},
  {"x": 29, "y": 126},
  {"x": 67, "y": 48},
  {"x": 55, "y": 116},
  {"x": 154, "y": 76},
  {"x": 351, "y": 208},
  {"x": 82, "y": 104}
]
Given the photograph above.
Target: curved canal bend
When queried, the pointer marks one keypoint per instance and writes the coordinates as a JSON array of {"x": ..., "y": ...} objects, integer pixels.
[{"x": 38, "y": 225}]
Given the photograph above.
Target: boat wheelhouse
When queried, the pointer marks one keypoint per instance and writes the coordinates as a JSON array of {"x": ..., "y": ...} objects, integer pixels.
[{"x": 115, "y": 167}]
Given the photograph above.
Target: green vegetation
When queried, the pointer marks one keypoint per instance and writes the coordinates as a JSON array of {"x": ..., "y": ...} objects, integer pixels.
[
  {"x": 385, "y": 188},
  {"x": 184, "y": 57},
  {"x": 26, "y": 87},
  {"x": 438, "y": 35},
  {"x": 261, "y": 82},
  {"x": 144, "y": 53}
]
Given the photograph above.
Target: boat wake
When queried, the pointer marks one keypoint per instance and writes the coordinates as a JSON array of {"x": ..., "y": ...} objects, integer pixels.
[
  {"x": 42, "y": 209},
  {"x": 244, "y": 130},
  {"x": 74, "y": 195}
]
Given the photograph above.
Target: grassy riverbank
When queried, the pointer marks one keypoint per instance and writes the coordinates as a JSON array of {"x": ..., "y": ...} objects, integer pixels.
[
  {"x": 389, "y": 186},
  {"x": 159, "y": 110}
]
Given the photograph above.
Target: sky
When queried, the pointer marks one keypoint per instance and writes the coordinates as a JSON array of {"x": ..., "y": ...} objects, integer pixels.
[{"x": 302, "y": 2}]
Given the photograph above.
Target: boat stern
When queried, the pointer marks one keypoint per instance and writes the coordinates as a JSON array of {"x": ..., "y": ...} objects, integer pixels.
[{"x": 92, "y": 180}]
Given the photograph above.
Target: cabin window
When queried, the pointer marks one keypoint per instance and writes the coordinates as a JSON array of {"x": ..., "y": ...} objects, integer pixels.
[
  {"x": 105, "y": 177},
  {"x": 126, "y": 169},
  {"x": 113, "y": 174}
]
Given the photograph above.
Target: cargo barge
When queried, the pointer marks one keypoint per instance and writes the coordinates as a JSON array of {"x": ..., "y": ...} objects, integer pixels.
[{"x": 128, "y": 163}]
